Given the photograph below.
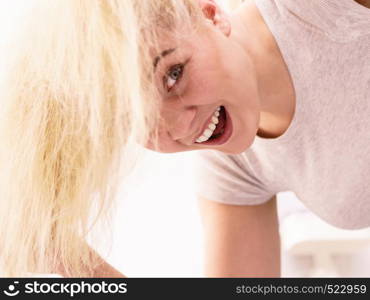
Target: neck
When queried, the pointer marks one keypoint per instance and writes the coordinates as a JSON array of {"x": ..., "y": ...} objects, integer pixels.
[
  {"x": 249, "y": 31},
  {"x": 274, "y": 86}
]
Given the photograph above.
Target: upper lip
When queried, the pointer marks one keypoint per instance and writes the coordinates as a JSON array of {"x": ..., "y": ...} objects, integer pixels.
[{"x": 205, "y": 126}]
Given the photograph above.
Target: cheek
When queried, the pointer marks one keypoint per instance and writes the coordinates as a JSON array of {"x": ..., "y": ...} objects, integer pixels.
[
  {"x": 205, "y": 85},
  {"x": 165, "y": 144}
]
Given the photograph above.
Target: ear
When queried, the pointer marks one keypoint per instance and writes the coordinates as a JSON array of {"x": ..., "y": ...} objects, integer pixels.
[{"x": 215, "y": 14}]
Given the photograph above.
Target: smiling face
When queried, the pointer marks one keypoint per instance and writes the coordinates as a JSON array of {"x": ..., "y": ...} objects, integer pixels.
[{"x": 196, "y": 75}]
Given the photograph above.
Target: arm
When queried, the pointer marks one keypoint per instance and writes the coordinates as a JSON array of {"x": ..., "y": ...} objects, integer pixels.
[{"x": 241, "y": 240}]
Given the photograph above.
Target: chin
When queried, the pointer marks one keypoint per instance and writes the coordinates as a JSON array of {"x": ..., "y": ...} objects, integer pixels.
[
  {"x": 236, "y": 148},
  {"x": 233, "y": 151}
]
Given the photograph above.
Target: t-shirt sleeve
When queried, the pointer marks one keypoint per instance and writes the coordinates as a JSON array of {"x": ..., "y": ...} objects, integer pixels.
[{"x": 227, "y": 178}]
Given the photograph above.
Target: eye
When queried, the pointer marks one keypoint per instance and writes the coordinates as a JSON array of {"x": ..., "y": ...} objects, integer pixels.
[{"x": 172, "y": 76}]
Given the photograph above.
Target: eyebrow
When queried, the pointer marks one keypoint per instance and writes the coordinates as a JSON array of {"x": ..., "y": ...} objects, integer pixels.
[{"x": 163, "y": 54}]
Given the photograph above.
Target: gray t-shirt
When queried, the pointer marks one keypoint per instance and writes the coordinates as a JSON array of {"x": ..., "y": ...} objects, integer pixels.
[{"x": 324, "y": 156}]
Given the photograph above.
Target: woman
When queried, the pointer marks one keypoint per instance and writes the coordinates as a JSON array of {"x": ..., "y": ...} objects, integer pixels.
[
  {"x": 256, "y": 91},
  {"x": 274, "y": 96}
]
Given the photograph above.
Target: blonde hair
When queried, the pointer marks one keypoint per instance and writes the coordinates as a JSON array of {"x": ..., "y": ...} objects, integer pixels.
[{"x": 78, "y": 95}]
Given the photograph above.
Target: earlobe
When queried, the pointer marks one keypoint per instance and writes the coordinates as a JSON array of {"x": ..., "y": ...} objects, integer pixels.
[
  {"x": 225, "y": 26},
  {"x": 222, "y": 23}
]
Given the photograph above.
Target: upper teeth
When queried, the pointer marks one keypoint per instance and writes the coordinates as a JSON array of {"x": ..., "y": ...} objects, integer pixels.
[{"x": 207, "y": 133}]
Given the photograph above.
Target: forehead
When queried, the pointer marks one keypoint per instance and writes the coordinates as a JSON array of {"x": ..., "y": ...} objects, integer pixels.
[{"x": 180, "y": 39}]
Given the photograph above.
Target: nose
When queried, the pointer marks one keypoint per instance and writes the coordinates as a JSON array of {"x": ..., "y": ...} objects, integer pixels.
[{"x": 181, "y": 123}]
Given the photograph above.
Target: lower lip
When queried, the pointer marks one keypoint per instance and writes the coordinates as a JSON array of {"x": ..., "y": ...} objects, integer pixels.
[{"x": 228, "y": 130}]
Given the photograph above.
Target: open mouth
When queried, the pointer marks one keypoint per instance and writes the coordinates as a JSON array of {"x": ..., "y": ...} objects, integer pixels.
[{"x": 223, "y": 129}]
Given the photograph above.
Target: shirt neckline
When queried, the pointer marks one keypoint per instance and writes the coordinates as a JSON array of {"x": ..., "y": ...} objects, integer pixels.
[
  {"x": 355, "y": 20},
  {"x": 359, "y": 7}
]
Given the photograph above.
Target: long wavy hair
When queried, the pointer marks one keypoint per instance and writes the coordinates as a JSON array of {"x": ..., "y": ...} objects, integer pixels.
[{"x": 77, "y": 98}]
